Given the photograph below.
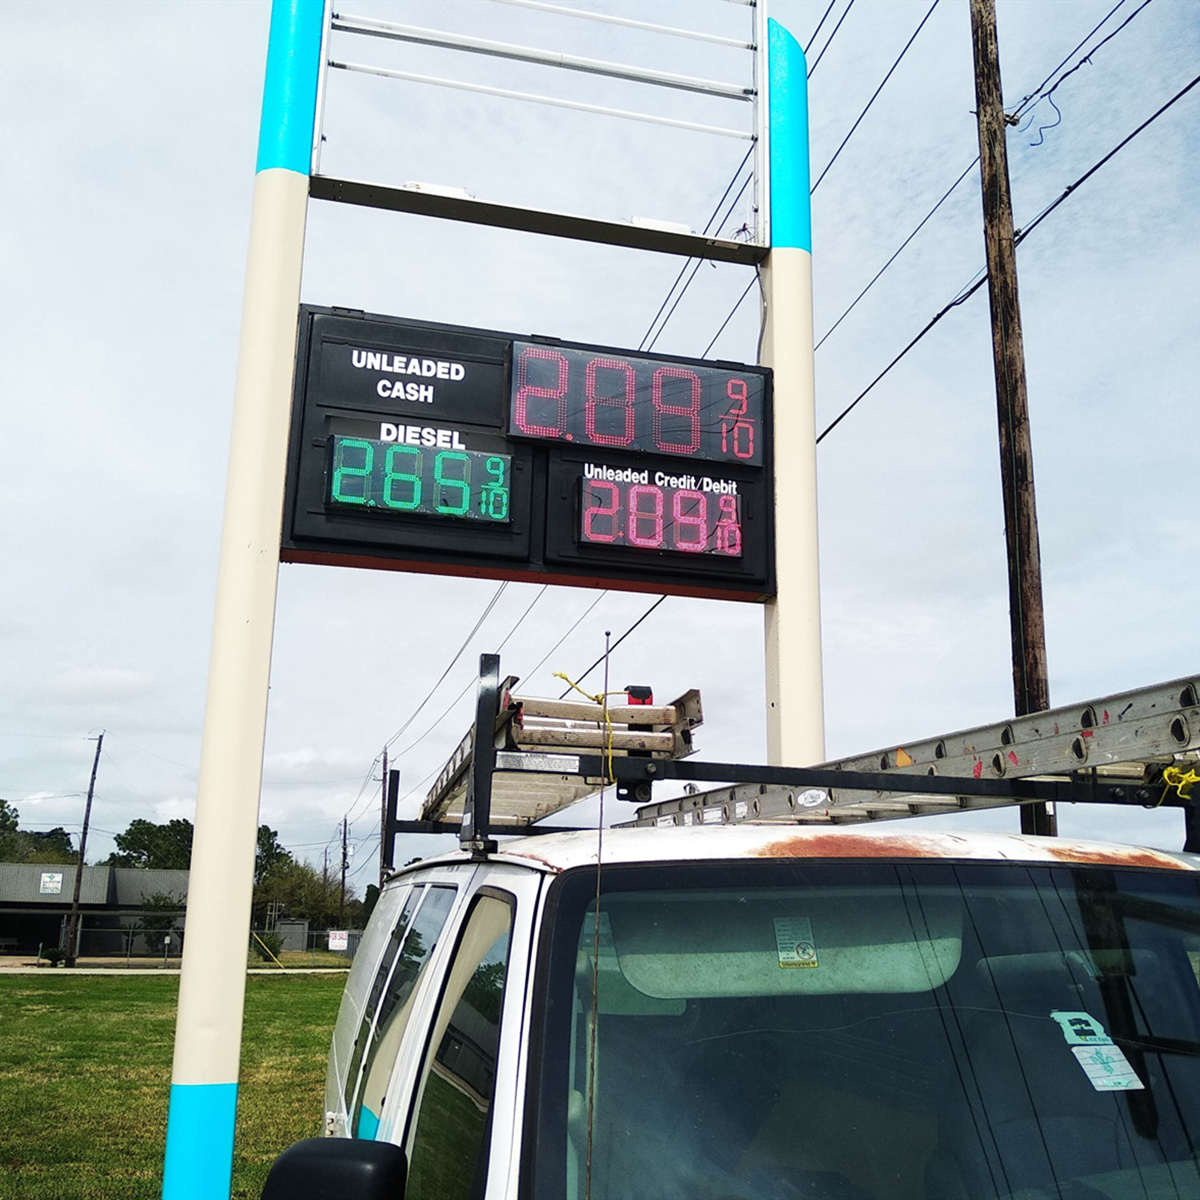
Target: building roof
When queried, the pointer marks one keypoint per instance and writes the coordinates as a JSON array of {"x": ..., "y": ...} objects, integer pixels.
[{"x": 53, "y": 885}]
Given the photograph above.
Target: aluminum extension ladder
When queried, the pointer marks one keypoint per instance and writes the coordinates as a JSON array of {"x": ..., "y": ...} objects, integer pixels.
[{"x": 1140, "y": 747}]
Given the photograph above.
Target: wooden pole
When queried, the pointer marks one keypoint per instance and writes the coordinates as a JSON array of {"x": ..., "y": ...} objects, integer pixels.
[
  {"x": 342, "y": 892},
  {"x": 73, "y": 919},
  {"x": 1031, "y": 690}
]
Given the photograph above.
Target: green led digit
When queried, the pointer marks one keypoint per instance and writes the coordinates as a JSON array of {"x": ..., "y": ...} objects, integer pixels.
[
  {"x": 344, "y": 487},
  {"x": 411, "y": 477},
  {"x": 451, "y": 507},
  {"x": 493, "y": 498}
]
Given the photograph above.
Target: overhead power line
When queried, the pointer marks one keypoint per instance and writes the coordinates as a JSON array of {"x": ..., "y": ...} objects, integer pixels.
[
  {"x": 483, "y": 616},
  {"x": 698, "y": 262},
  {"x": 1047, "y": 94},
  {"x": 1018, "y": 238},
  {"x": 1037, "y": 92},
  {"x": 874, "y": 95},
  {"x": 470, "y": 682},
  {"x": 615, "y": 644},
  {"x": 813, "y": 36},
  {"x": 829, "y": 41},
  {"x": 1025, "y": 105}
]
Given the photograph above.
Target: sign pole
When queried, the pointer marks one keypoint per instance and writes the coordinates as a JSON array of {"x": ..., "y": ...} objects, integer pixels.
[
  {"x": 792, "y": 620},
  {"x": 198, "y": 1162}
]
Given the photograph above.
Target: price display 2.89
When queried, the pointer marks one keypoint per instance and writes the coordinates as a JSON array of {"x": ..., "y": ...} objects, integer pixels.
[
  {"x": 648, "y": 517},
  {"x": 391, "y": 478}
]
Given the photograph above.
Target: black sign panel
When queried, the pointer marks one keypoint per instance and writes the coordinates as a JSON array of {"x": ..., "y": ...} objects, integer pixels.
[{"x": 437, "y": 449}]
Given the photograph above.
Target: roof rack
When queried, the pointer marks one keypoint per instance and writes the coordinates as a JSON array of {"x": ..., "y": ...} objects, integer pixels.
[{"x": 1135, "y": 748}]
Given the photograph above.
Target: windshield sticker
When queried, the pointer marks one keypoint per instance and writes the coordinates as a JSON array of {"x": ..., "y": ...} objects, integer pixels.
[
  {"x": 794, "y": 941},
  {"x": 1104, "y": 1064}
]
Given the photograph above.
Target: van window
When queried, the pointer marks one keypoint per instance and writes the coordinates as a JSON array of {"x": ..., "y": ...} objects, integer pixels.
[
  {"x": 870, "y": 1031},
  {"x": 449, "y": 1153},
  {"x": 389, "y": 1004}
]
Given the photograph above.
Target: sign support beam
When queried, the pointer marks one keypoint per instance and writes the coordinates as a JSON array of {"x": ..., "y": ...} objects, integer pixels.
[
  {"x": 200, "y": 1124},
  {"x": 792, "y": 620}
]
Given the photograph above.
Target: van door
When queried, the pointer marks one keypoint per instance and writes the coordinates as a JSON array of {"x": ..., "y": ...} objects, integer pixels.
[
  {"x": 462, "y": 1126},
  {"x": 395, "y": 991}
]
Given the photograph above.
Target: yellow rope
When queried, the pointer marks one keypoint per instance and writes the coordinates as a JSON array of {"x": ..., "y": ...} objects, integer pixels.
[
  {"x": 268, "y": 950},
  {"x": 1179, "y": 779},
  {"x": 600, "y": 698}
]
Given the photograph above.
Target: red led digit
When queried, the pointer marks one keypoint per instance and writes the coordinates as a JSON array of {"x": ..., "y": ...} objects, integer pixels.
[
  {"x": 727, "y": 537},
  {"x": 527, "y": 391},
  {"x": 602, "y": 509},
  {"x": 629, "y": 386},
  {"x": 737, "y": 429},
  {"x": 739, "y": 393},
  {"x": 690, "y": 510},
  {"x": 638, "y": 516},
  {"x": 664, "y": 408}
]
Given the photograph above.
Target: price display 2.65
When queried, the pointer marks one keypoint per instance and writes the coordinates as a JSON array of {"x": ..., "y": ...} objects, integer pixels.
[{"x": 391, "y": 478}]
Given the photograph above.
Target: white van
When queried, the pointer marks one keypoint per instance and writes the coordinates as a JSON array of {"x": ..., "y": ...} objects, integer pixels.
[{"x": 769, "y": 1014}]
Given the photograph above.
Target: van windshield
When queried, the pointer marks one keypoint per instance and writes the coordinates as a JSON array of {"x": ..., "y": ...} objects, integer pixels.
[{"x": 868, "y": 1031}]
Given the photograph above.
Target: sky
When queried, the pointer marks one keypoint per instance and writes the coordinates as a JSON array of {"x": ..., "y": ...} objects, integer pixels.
[{"x": 129, "y": 169}]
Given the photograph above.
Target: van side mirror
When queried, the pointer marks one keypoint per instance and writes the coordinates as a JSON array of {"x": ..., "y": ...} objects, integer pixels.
[{"x": 337, "y": 1169}]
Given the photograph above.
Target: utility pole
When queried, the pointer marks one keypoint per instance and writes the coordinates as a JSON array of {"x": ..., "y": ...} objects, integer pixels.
[
  {"x": 73, "y": 919},
  {"x": 1031, "y": 690},
  {"x": 383, "y": 816},
  {"x": 342, "y": 893}
]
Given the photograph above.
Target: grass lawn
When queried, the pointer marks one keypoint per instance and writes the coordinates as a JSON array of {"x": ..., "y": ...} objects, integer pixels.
[{"x": 85, "y": 1070}]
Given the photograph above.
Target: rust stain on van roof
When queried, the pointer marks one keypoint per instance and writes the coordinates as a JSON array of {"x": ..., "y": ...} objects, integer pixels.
[
  {"x": 849, "y": 845},
  {"x": 853, "y": 845},
  {"x": 1114, "y": 856}
]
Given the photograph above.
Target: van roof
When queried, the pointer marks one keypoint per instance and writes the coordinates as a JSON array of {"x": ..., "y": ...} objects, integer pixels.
[{"x": 557, "y": 852}]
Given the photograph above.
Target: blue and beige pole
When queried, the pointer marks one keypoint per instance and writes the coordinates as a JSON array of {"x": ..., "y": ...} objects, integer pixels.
[
  {"x": 208, "y": 1032},
  {"x": 795, "y": 710}
]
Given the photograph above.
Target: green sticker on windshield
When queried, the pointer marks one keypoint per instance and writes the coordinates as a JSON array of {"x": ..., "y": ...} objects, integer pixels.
[
  {"x": 1105, "y": 1065},
  {"x": 794, "y": 942}
]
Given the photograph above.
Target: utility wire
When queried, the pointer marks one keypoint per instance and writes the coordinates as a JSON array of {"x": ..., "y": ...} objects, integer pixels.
[
  {"x": 579, "y": 621},
  {"x": 1025, "y": 101},
  {"x": 615, "y": 644},
  {"x": 1026, "y": 104},
  {"x": 699, "y": 263},
  {"x": 1084, "y": 61},
  {"x": 821, "y": 22},
  {"x": 831, "y": 37},
  {"x": 354, "y": 807},
  {"x": 896, "y": 253},
  {"x": 874, "y": 95},
  {"x": 471, "y": 682},
  {"x": 687, "y": 262},
  {"x": 352, "y": 811},
  {"x": 1018, "y": 237},
  {"x": 483, "y": 616},
  {"x": 1024, "y": 232}
]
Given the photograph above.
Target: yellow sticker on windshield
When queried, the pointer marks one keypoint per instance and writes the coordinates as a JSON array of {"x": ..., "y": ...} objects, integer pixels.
[{"x": 794, "y": 942}]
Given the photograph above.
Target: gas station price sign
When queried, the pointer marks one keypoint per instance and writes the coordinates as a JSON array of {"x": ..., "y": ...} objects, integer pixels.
[{"x": 447, "y": 450}]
